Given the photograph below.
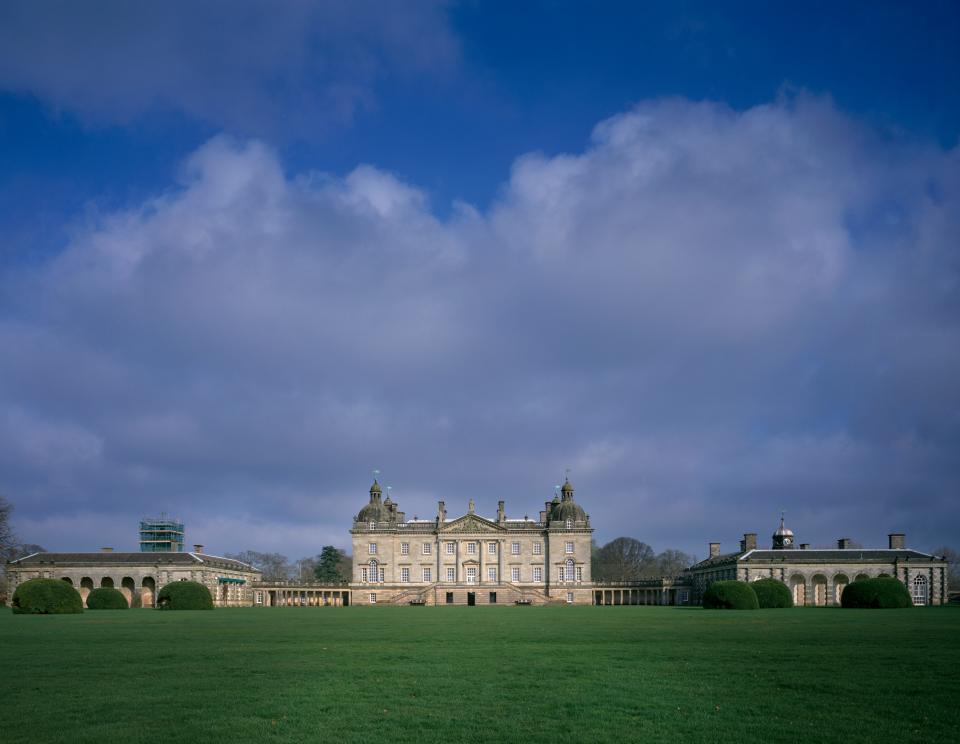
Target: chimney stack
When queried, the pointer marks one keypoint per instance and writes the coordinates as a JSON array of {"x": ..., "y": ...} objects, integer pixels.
[
  {"x": 749, "y": 541},
  {"x": 197, "y": 548},
  {"x": 106, "y": 550},
  {"x": 714, "y": 550},
  {"x": 441, "y": 512},
  {"x": 843, "y": 543},
  {"x": 804, "y": 546},
  {"x": 898, "y": 541},
  {"x": 501, "y": 513}
]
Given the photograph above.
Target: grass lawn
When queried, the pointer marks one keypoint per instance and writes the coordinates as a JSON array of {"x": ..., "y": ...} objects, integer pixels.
[{"x": 448, "y": 674}]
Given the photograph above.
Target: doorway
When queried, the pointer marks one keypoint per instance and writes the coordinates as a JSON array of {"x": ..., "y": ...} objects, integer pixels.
[{"x": 471, "y": 599}]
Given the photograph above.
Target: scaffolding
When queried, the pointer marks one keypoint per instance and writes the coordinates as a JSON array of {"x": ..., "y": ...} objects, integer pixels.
[{"x": 161, "y": 535}]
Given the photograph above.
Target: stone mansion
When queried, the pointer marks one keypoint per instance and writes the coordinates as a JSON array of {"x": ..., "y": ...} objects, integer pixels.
[{"x": 472, "y": 559}]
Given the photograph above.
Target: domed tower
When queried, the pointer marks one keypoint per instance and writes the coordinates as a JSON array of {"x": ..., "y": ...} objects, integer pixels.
[
  {"x": 568, "y": 551},
  {"x": 565, "y": 509},
  {"x": 783, "y": 537},
  {"x": 375, "y": 511}
]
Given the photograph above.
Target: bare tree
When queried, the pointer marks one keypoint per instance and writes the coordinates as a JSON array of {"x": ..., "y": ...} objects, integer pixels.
[
  {"x": 673, "y": 562},
  {"x": 8, "y": 540},
  {"x": 953, "y": 566},
  {"x": 628, "y": 559},
  {"x": 625, "y": 559},
  {"x": 274, "y": 566}
]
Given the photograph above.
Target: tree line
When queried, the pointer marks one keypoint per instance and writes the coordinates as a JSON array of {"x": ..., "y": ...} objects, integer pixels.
[
  {"x": 628, "y": 559},
  {"x": 331, "y": 565}
]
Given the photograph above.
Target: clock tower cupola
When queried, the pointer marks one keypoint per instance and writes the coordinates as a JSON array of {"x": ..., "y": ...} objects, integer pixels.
[{"x": 783, "y": 537}]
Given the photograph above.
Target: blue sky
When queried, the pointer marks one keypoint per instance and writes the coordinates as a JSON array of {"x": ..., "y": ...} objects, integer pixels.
[{"x": 703, "y": 255}]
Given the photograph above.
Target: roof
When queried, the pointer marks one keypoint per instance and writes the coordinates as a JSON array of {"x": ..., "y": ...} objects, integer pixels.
[
  {"x": 720, "y": 559},
  {"x": 813, "y": 555},
  {"x": 151, "y": 559},
  {"x": 831, "y": 555}
]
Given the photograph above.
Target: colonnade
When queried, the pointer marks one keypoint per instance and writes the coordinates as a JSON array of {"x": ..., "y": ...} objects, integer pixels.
[
  {"x": 301, "y": 597},
  {"x": 658, "y": 596}
]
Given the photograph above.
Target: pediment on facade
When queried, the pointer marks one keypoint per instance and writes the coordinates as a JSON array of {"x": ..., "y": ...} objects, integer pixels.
[{"x": 471, "y": 523}]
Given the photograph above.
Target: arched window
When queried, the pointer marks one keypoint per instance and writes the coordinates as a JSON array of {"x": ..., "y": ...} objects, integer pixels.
[
  {"x": 570, "y": 569},
  {"x": 919, "y": 590}
]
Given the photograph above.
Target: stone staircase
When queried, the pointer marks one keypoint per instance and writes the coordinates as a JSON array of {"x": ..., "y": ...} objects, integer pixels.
[
  {"x": 528, "y": 594},
  {"x": 418, "y": 594}
]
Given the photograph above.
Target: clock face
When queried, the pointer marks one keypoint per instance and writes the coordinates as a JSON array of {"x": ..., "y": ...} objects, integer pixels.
[{"x": 787, "y": 541}]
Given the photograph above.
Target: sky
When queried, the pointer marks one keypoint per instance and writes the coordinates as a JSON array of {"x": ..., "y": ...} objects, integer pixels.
[{"x": 704, "y": 257}]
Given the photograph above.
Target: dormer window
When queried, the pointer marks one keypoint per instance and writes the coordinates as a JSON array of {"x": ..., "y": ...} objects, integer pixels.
[
  {"x": 569, "y": 523},
  {"x": 373, "y": 525}
]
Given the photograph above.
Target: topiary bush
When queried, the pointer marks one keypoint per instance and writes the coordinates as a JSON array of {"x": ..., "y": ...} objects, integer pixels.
[
  {"x": 730, "y": 595},
  {"x": 884, "y": 592},
  {"x": 106, "y": 598},
  {"x": 46, "y": 597},
  {"x": 184, "y": 595},
  {"x": 772, "y": 593}
]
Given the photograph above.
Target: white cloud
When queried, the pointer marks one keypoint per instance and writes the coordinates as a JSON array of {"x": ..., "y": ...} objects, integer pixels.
[{"x": 708, "y": 314}]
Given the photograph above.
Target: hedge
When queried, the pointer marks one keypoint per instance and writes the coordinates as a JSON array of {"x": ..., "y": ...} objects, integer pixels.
[
  {"x": 184, "y": 595},
  {"x": 772, "y": 593},
  {"x": 730, "y": 595},
  {"x": 46, "y": 597},
  {"x": 884, "y": 592},
  {"x": 106, "y": 598}
]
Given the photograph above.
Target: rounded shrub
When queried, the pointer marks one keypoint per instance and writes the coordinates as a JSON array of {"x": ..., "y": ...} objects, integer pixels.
[
  {"x": 184, "y": 595},
  {"x": 106, "y": 598},
  {"x": 772, "y": 593},
  {"x": 46, "y": 597},
  {"x": 730, "y": 595},
  {"x": 884, "y": 592}
]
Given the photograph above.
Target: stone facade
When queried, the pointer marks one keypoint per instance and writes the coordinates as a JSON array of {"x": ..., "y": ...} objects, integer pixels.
[
  {"x": 817, "y": 577},
  {"x": 140, "y": 576},
  {"x": 471, "y": 559}
]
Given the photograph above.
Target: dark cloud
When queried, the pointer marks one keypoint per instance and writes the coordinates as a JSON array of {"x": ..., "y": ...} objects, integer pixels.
[
  {"x": 248, "y": 66},
  {"x": 708, "y": 315}
]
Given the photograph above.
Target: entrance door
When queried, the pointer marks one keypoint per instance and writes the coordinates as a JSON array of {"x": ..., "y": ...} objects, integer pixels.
[{"x": 471, "y": 598}]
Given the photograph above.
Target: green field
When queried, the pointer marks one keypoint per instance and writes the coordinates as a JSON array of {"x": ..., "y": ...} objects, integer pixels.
[{"x": 423, "y": 674}]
